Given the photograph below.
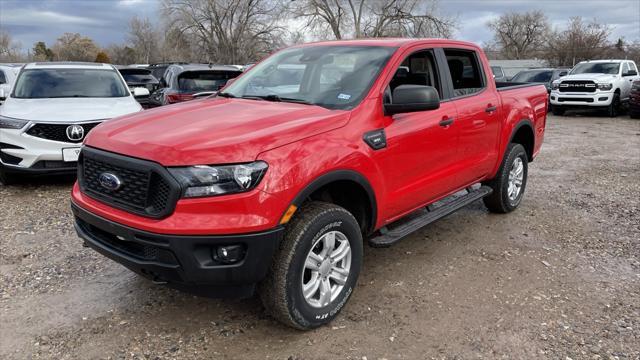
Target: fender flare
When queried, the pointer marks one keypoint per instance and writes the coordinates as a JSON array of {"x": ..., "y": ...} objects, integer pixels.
[
  {"x": 523, "y": 123},
  {"x": 338, "y": 175}
]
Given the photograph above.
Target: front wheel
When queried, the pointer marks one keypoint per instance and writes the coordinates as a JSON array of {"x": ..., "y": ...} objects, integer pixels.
[
  {"x": 614, "y": 108},
  {"x": 316, "y": 268},
  {"x": 6, "y": 178},
  {"x": 509, "y": 184}
]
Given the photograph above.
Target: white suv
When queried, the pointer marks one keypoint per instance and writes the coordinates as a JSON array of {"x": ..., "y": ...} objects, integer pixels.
[
  {"x": 51, "y": 109},
  {"x": 594, "y": 84}
]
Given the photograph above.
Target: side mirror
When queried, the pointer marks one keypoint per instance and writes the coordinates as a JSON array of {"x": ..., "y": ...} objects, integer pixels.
[
  {"x": 412, "y": 98},
  {"x": 140, "y": 91},
  {"x": 2, "y": 94},
  {"x": 630, "y": 73}
]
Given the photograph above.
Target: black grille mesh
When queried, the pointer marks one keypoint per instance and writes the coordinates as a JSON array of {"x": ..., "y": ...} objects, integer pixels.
[
  {"x": 577, "y": 86},
  {"x": 143, "y": 191},
  {"x": 58, "y": 132}
]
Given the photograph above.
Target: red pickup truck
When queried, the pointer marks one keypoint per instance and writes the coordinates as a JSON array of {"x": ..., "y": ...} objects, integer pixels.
[{"x": 274, "y": 184}]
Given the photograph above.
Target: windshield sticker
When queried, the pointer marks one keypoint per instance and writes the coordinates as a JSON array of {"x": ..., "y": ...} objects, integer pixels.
[{"x": 344, "y": 96}]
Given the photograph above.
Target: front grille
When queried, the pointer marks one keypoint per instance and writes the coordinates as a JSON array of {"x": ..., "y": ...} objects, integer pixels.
[
  {"x": 58, "y": 132},
  {"x": 146, "y": 189},
  {"x": 577, "y": 86}
]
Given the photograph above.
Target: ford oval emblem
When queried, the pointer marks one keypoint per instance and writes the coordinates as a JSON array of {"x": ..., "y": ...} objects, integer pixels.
[{"x": 110, "y": 181}]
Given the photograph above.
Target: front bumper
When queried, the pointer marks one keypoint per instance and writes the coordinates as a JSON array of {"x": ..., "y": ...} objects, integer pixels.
[
  {"x": 182, "y": 261},
  {"x": 23, "y": 153},
  {"x": 595, "y": 99}
]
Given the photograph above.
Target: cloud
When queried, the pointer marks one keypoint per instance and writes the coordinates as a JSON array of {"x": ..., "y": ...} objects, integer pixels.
[{"x": 45, "y": 17}]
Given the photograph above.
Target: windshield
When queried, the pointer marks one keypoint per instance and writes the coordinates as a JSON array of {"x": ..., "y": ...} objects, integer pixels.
[
  {"x": 335, "y": 77},
  {"x": 65, "y": 83},
  {"x": 533, "y": 76},
  {"x": 194, "y": 81},
  {"x": 596, "y": 68}
]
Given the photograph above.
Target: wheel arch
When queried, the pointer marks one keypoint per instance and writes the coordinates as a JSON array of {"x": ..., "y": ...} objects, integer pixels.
[
  {"x": 524, "y": 135},
  {"x": 346, "y": 188}
]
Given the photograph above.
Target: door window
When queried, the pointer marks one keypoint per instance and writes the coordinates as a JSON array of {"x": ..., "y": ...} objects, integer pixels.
[
  {"x": 417, "y": 69},
  {"x": 625, "y": 68},
  {"x": 3, "y": 79},
  {"x": 465, "y": 71}
]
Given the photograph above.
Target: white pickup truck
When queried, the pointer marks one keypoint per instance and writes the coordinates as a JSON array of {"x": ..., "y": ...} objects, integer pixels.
[{"x": 599, "y": 84}]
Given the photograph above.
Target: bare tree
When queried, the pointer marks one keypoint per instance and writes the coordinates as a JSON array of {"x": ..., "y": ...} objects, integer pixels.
[
  {"x": 374, "y": 18},
  {"x": 144, "y": 40},
  {"x": 579, "y": 41},
  {"x": 228, "y": 31},
  {"x": 75, "y": 47},
  {"x": 9, "y": 49},
  {"x": 121, "y": 54},
  {"x": 519, "y": 35}
]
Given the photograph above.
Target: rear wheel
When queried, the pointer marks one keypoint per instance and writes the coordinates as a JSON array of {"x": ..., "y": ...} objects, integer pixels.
[
  {"x": 557, "y": 110},
  {"x": 614, "y": 108},
  {"x": 509, "y": 184},
  {"x": 316, "y": 267}
]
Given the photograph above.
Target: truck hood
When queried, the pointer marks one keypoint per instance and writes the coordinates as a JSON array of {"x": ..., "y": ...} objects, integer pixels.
[
  {"x": 68, "y": 109},
  {"x": 599, "y": 78},
  {"x": 213, "y": 130}
]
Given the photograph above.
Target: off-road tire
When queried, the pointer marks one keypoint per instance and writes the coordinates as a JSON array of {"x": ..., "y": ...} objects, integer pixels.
[
  {"x": 614, "y": 108},
  {"x": 281, "y": 291},
  {"x": 498, "y": 201}
]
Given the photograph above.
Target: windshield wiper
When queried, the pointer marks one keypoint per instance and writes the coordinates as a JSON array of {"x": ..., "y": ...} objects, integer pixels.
[
  {"x": 278, "y": 98},
  {"x": 226, "y": 95}
]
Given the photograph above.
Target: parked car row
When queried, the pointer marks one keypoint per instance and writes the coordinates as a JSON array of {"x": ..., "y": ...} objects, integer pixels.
[{"x": 596, "y": 84}]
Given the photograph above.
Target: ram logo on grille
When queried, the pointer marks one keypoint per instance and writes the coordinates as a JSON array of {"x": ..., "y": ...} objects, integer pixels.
[{"x": 110, "y": 181}]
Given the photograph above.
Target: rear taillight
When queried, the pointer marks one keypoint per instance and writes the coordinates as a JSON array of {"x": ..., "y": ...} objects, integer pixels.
[{"x": 175, "y": 98}]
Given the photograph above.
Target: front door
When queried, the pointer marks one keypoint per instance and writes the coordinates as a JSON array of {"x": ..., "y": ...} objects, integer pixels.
[{"x": 421, "y": 146}]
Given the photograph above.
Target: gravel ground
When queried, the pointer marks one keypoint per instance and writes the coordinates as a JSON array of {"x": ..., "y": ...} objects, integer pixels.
[{"x": 559, "y": 278}]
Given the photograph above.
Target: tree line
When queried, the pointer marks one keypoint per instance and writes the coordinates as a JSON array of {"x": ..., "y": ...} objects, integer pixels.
[{"x": 245, "y": 31}]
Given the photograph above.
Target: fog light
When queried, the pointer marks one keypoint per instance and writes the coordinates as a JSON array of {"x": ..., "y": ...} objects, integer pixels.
[
  {"x": 229, "y": 254},
  {"x": 553, "y": 98},
  {"x": 603, "y": 99}
]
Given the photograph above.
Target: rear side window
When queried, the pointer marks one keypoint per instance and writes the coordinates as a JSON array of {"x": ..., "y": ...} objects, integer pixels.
[
  {"x": 204, "y": 80},
  {"x": 3, "y": 79},
  {"x": 465, "y": 71}
]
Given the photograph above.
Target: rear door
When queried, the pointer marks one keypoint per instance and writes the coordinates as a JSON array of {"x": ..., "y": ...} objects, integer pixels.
[
  {"x": 421, "y": 146},
  {"x": 478, "y": 106}
]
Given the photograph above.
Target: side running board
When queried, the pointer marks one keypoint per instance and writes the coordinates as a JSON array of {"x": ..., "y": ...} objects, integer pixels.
[{"x": 393, "y": 233}]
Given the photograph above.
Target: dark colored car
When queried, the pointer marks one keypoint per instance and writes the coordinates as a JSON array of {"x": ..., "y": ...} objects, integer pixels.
[
  {"x": 634, "y": 100},
  {"x": 187, "y": 82},
  {"x": 158, "y": 69},
  {"x": 140, "y": 78},
  {"x": 540, "y": 76}
]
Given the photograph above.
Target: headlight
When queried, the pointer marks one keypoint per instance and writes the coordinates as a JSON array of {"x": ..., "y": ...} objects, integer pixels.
[
  {"x": 605, "y": 86},
  {"x": 11, "y": 123},
  {"x": 555, "y": 85},
  {"x": 204, "y": 180}
]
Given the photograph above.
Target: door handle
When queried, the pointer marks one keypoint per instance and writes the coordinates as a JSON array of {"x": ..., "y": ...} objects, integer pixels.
[
  {"x": 446, "y": 121},
  {"x": 490, "y": 108}
]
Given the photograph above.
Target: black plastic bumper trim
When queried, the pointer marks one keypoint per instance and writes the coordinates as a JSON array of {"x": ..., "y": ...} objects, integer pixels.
[{"x": 194, "y": 269}]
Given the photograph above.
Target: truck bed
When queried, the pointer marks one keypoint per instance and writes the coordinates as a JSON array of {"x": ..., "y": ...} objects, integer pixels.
[{"x": 507, "y": 85}]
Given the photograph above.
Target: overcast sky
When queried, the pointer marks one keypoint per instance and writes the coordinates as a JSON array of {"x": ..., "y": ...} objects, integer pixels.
[{"x": 106, "y": 20}]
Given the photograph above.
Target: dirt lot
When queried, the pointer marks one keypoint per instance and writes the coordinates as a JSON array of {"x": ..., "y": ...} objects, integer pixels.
[{"x": 559, "y": 278}]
